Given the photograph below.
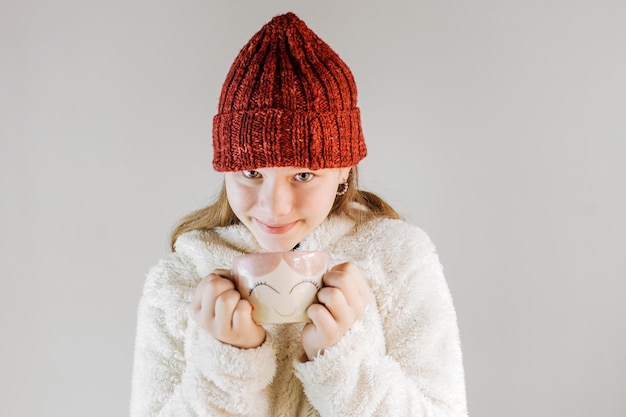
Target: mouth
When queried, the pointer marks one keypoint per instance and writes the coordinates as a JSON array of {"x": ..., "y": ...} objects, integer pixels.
[{"x": 275, "y": 229}]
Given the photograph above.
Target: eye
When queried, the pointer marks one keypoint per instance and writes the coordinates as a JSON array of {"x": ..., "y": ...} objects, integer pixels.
[
  {"x": 306, "y": 281},
  {"x": 304, "y": 176},
  {"x": 259, "y": 284},
  {"x": 252, "y": 174}
]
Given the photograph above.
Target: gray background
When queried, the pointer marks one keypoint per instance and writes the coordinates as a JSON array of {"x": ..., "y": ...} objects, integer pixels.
[{"x": 497, "y": 126}]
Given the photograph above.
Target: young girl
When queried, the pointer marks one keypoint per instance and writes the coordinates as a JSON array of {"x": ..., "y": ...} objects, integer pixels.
[{"x": 383, "y": 337}]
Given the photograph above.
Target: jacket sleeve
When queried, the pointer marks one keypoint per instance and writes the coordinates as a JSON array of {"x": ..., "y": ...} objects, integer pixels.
[
  {"x": 403, "y": 357},
  {"x": 179, "y": 369}
]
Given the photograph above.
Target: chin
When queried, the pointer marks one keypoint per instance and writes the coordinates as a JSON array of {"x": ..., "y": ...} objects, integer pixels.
[
  {"x": 278, "y": 245},
  {"x": 275, "y": 247}
]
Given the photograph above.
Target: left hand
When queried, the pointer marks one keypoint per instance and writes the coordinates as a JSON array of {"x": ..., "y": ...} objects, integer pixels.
[{"x": 341, "y": 302}]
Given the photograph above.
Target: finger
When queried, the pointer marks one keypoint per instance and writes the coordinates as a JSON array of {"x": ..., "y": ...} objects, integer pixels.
[
  {"x": 344, "y": 267},
  {"x": 334, "y": 300},
  {"x": 335, "y": 278},
  {"x": 221, "y": 282},
  {"x": 211, "y": 287},
  {"x": 246, "y": 332},
  {"x": 321, "y": 318},
  {"x": 335, "y": 281},
  {"x": 346, "y": 276},
  {"x": 225, "y": 305},
  {"x": 224, "y": 273},
  {"x": 214, "y": 283},
  {"x": 349, "y": 279},
  {"x": 242, "y": 315}
]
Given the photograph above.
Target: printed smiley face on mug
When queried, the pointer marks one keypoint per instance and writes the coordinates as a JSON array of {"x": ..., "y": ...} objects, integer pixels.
[{"x": 280, "y": 285}]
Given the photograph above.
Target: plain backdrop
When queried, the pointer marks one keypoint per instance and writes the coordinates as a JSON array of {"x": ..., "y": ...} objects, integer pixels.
[{"x": 497, "y": 126}]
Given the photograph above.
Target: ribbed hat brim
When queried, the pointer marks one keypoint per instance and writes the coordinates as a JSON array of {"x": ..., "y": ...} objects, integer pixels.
[{"x": 279, "y": 138}]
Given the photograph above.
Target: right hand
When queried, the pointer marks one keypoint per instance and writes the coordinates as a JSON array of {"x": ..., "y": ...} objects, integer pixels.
[{"x": 219, "y": 310}]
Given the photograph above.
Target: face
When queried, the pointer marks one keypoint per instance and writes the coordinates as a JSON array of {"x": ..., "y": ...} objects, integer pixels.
[
  {"x": 280, "y": 286},
  {"x": 281, "y": 206}
]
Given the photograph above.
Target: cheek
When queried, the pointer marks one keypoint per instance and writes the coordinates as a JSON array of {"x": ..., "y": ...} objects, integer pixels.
[
  {"x": 319, "y": 203},
  {"x": 239, "y": 198}
]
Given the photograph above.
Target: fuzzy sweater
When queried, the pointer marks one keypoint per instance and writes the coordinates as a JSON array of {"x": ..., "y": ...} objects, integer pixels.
[{"x": 401, "y": 358}]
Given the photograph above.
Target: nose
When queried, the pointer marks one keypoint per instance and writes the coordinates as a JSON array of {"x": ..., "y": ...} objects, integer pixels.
[{"x": 277, "y": 198}]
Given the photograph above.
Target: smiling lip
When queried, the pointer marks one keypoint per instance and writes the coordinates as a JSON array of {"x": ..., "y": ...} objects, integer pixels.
[
  {"x": 285, "y": 315},
  {"x": 276, "y": 229}
]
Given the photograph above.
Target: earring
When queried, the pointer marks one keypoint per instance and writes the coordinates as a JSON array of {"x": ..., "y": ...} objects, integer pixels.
[{"x": 343, "y": 188}]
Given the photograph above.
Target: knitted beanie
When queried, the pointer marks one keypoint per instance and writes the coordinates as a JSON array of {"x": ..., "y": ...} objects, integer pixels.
[{"x": 288, "y": 100}]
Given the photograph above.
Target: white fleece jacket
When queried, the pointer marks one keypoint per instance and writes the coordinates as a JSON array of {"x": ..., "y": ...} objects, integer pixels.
[{"x": 402, "y": 358}]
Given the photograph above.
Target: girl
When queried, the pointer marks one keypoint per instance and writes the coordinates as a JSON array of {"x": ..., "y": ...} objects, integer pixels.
[{"x": 383, "y": 338}]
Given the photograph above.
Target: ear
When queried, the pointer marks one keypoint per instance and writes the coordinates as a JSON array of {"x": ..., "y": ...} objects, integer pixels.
[{"x": 343, "y": 174}]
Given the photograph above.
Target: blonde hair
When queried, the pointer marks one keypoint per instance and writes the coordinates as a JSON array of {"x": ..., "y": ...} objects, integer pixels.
[{"x": 356, "y": 204}]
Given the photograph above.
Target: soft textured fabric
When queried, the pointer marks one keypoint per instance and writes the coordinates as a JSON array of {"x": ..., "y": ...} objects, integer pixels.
[
  {"x": 402, "y": 358},
  {"x": 288, "y": 100}
]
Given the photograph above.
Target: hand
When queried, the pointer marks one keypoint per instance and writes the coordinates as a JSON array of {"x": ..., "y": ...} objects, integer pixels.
[
  {"x": 220, "y": 311},
  {"x": 341, "y": 303}
]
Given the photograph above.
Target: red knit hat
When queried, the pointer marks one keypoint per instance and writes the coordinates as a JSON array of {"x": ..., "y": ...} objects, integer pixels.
[{"x": 288, "y": 100}]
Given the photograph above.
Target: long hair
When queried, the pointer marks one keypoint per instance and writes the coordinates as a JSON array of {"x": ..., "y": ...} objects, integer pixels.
[{"x": 356, "y": 204}]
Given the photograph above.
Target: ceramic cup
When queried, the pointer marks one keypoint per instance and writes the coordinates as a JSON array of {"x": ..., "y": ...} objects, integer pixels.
[{"x": 280, "y": 285}]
